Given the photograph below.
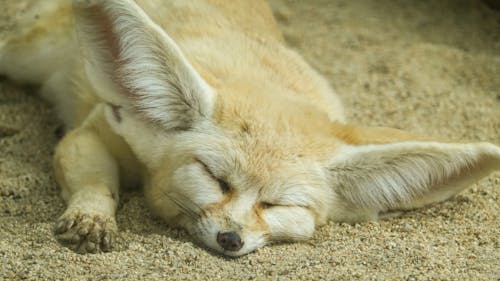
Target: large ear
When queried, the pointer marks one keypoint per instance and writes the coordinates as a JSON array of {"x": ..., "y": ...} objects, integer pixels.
[
  {"x": 406, "y": 174},
  {"x": 132, "y": 63}
]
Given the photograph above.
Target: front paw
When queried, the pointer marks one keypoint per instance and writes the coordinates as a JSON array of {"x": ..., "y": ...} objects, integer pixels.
[{"x": 86, "y": 232}]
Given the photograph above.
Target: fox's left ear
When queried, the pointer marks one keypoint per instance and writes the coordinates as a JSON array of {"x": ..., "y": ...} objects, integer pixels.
[
  {"x": 384, "y": 169},
  {"x": 132, "y": 63}
]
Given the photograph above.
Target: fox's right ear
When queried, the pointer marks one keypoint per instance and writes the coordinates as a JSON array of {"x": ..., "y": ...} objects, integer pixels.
[
  {"x": 134, "y": 64},
  {"x": 381, "y": 169}
]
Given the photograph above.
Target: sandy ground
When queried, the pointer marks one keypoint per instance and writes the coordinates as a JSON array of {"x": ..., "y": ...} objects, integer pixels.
[{"x": 432, "y": 67}]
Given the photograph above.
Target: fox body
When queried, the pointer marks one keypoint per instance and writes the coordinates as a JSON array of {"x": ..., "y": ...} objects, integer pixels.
[{"x": 233, "y": 136}]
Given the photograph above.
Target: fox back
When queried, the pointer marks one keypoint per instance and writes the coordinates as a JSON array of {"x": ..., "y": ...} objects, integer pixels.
[{"x": 233, "y": 135}]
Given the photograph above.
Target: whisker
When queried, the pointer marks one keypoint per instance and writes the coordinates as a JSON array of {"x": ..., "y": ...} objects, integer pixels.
[
  {"x": 192, "y": 204},
  {"x": 186, "y": 210},
  {"x": 187, "y": 206}
]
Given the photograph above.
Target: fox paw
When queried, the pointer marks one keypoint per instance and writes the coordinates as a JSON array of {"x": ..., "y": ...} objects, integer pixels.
[{"x": 85, "y": 232}]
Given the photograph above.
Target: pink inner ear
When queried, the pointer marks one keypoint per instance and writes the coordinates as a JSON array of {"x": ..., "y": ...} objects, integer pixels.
[
  {"x": 105, "y": 29},
  {"x": 108, "y": 43}
]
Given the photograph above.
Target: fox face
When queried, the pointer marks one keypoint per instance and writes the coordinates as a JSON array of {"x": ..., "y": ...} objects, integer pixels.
[{"x": 256, "y": 199}]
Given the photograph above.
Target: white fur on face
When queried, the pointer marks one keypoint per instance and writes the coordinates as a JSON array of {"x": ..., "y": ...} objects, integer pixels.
[
  {"x": 237, "y": 216},
  {"x": 289, "y": 223},
  {"x": 196, "y": 185},
  {"x": 279, "y": 223}
]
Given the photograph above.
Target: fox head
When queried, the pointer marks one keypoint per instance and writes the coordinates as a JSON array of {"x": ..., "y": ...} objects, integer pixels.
[{"x": 246, "y": 162}]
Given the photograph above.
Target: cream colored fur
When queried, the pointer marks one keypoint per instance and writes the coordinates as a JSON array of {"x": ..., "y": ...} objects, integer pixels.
[{"x": 233, "y": 136}]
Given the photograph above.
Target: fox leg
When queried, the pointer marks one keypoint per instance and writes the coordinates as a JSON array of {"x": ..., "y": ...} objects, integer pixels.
[{"x": 88, "y": 176}]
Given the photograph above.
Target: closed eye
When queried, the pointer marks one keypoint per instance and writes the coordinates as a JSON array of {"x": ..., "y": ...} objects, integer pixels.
[
  {"x": 268, "y": 205},
  {"x": 224, "y": 186}
]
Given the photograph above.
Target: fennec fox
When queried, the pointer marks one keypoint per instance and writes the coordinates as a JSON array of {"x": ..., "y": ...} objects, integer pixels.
[{"x": 233, "y": 136}]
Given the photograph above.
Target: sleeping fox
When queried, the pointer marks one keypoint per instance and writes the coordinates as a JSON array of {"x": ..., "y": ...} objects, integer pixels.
[{"x": 232, "y": 135}]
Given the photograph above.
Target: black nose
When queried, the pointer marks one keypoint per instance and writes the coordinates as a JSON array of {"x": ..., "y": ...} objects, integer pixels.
[{"x": 230, "y": 241}]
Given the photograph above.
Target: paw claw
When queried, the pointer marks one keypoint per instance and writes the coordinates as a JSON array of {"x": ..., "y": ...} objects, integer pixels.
[
  {"x": 94, "y": 237},
  {"x": 63, "y": 225},
  {"x": 91, "y": 247},
  {"x": 106, "y": 242},
  {"x": 60, "y": 227},
  {"x": 75, "y": 239},
  {"x": 85, "y": 233}
]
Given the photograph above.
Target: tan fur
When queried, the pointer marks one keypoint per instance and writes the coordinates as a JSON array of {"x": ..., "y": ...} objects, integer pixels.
[{"x": 233, "y": 136}]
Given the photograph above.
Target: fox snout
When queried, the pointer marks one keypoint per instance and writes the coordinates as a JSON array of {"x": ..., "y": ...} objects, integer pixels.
[{"x": 230, "y": 241}]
